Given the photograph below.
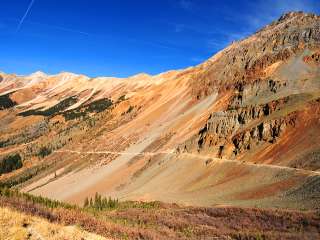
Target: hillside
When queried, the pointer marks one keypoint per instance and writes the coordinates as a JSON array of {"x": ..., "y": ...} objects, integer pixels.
[
  {"x": 241, "y": 129},
  {"x": 27, "y": 217},
  {"x": 15, "y": 225}
]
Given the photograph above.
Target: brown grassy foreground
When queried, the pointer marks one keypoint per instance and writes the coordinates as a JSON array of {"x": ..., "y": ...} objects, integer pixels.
[
  {"x": 19, "y": 226},
  {"x": 137, "y": 220}
]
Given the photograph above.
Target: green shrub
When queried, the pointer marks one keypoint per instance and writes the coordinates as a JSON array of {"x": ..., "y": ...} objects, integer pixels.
[
  {"x": 10, "y": 163},
  {"x": 6, "y": 102},
  {"x": 121, "y": 98},
  {"x": 3, "y": 143},
  {"x": 130, "y": 109},
  {"x": 44, "y": 151},
  {"x": 86, "y": 202}
]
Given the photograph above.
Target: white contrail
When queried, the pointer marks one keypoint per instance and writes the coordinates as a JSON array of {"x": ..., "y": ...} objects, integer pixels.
[{"x": 25, "y": 15}]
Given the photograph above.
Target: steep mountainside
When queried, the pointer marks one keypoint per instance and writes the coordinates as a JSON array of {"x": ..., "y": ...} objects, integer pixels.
[{"x": 239, "y": 129}]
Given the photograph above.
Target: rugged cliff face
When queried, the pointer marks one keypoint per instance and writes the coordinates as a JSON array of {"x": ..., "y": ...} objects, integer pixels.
[
  {"x": 272, "y": 77},
  {"x": 241, "y": 128},
  {"x": 247, "y": 61}
]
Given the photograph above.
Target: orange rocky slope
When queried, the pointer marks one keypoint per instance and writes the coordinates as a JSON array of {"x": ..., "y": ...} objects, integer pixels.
[{"x": 241, "y": 129}]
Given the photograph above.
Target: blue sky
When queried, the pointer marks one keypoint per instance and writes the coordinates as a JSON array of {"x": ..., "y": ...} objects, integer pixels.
[{"x": 125, "y": 37}]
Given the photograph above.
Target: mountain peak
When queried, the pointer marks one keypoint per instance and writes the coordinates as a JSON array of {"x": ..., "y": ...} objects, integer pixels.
[
  {"x": 292, "y": 14},
  {"x": 38, "y": 74},
  {"x": 141, "y": 76}
]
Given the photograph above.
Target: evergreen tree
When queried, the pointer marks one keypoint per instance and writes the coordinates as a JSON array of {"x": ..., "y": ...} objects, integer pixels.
[{"x": 86, "y": 202}]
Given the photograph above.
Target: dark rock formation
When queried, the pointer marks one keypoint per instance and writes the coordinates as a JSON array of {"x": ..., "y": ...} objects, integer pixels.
[{"x": 245, "y": 61}]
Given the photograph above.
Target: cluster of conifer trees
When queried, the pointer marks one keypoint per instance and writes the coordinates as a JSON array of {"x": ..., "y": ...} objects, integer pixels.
[
  {"x": 10, "y": 163},
  {"x": 100, "y": 203}
]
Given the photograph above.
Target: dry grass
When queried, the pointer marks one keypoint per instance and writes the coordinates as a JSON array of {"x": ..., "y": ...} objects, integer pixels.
[
  {"x": 131, "y": 220},
  {"x": 18, "y": 226}
]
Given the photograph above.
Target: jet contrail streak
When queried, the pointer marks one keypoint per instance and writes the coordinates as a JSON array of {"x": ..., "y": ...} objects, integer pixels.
[{"x": 25, "y": 15}]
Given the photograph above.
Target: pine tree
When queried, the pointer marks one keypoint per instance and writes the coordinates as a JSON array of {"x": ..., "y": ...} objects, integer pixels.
[{"x": 86, "y": 202}]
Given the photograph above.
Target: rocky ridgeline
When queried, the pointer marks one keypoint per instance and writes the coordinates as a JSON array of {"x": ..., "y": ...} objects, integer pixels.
[{"x": 245, "y": 61}]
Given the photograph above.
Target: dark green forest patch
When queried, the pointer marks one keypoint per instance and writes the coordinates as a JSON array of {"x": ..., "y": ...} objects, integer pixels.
[
  {"x": 93, "y": 107},
  {"x": 6, "y": 102},
  {"x": 99, "y": 105},
  {"x": 44, "y": 151},
  {"x": 10, "y": 163},
  {"x": 61, "y": 106}
]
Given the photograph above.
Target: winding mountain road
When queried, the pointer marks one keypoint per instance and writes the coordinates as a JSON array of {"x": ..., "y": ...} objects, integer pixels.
[
  {"x": 172, "y": 151},
  {"x": 116, "y": 153}
]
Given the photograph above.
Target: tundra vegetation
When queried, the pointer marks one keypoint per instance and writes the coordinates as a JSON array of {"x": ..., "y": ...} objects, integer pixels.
[{"x": 155, "y": 220}]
